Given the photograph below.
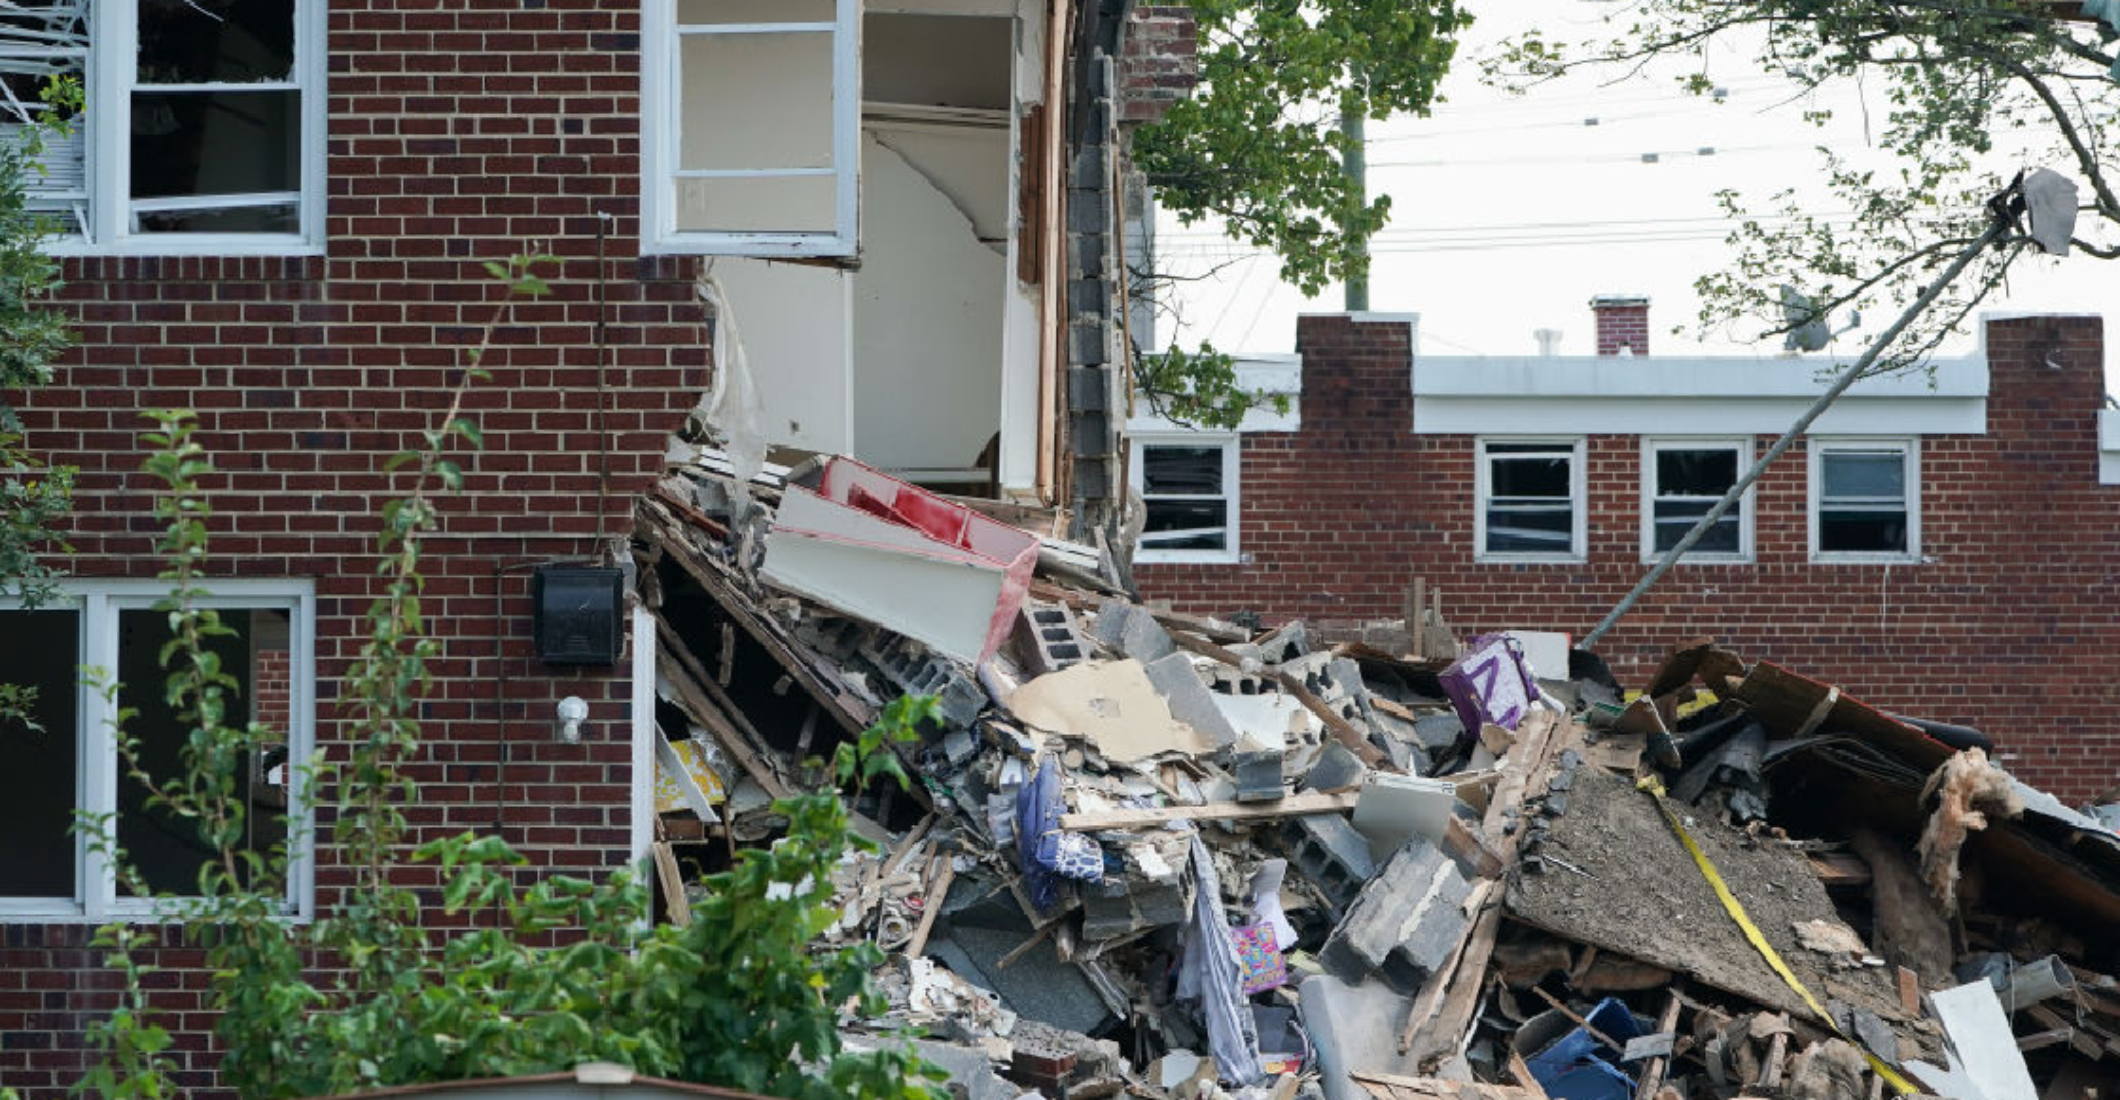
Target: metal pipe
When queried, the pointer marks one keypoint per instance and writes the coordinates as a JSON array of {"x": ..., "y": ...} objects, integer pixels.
[{"x": 1840, "y": 385}]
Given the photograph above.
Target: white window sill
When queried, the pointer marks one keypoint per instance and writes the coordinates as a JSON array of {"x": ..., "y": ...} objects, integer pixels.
[
  {"x": 1823, "y": 558},
  {"x": 1695, "y": 558},
  {"x": 201, "y": 245},
  {"x": 128, "y": 914},
  {"x": 1530, "y": 559},
  {"x": 763, "y": 246},
  {"x": 1187, "y": 557}
]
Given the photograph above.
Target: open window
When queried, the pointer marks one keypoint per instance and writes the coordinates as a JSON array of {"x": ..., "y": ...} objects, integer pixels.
[
  {"x": 751, "y": 126},
  {"x": 1681, "y": 480},
  {"x": 1865, "y": 501},
  {"x": 1188, "y": 486},
  {"x": 63, "y": 759},
  {"x": 1530, "y": 500},
  {"x": 203, "y": 129}
]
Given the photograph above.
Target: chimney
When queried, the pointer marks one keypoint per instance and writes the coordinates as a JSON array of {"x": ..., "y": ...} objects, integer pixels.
[
  {"x": 1622, "y": 324},
  {"x": 1549, "y": 341}
]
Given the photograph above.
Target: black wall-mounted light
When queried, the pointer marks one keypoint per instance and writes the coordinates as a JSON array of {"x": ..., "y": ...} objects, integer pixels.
[{"x": 579, "y": 609}]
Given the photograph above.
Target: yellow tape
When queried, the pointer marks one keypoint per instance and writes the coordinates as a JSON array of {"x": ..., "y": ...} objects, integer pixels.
[{"x": 1759, "y": 942}]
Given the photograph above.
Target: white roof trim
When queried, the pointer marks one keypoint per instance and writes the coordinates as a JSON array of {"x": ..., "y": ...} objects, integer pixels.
[
  {"x": 1619, "y": 395},
  {"x": 2109, "y": 446}
]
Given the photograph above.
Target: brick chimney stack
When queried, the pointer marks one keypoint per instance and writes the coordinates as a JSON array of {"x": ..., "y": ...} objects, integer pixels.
[{"x": 1622, "y": 324}]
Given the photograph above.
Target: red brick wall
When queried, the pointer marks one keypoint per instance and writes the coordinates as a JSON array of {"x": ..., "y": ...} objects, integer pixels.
[
  {"x": 459, "y": 132},
  {"x": 1158, "y": 61},
  {"x": 2013, "y": 627},
  {"x": 1622, "y": 323}
]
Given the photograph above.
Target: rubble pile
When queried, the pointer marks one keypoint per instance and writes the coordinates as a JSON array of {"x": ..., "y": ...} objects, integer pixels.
[{"x": 1174, "y": 857}]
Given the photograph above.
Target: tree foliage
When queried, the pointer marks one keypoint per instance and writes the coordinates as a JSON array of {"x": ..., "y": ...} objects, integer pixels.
[
  {"x": 1973, "y": 91},
  {"x": 1258, "y": 144},
  {"x": 34, "y": 495}
]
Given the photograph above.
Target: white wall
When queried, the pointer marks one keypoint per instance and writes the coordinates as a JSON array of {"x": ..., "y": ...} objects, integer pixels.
[
  {"x": 927, "y": 324},
  {"x": 797, "y": 324}
]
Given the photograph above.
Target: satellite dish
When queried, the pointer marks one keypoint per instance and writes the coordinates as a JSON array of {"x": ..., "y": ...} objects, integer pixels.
[
  {"x": 2050, "y": 204},
  {"x": 1808, "y": 330}
]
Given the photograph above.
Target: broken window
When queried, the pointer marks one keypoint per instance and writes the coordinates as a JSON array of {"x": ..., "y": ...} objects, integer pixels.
[
  {"x": 1188, "y": 488},
  {"x": 752, "y": 126},
  {"x": 66, "y": 762},
  {"x": 204, "y": 124},
  {"x": 1864, "y": 500},
  {"x": 1530, "y": 504},
  {"x": 1684, "y": 479}
]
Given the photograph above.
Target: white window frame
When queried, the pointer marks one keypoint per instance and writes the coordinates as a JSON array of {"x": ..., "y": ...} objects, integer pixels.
[
  {"x": 1742, "y": 447},
  {"x": 1232, "y": 488},
  {"x": 662, "y": 113},
  {"x": 98, "y": 602},
  {"x": 106, "y": 127},
  {"x": 1578, "y": 484},
  {"x": 1910, "y": 452}
]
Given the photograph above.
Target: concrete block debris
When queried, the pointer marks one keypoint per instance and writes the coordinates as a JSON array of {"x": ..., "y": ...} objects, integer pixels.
[{"x": 1284, "y": 864}]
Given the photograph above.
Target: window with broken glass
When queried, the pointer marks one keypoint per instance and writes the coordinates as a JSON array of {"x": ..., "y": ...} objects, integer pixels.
[
  {"x": 63, "y": 761},
  {"x": 1864, "y": 501},
  {"x": 203, "y": 128},
  {"x": 1683, "y": 479},
  {"x": 1530, "y": 500},
  {"x": 1189, "y": 498},
  {"x": 751, "y": 126}
]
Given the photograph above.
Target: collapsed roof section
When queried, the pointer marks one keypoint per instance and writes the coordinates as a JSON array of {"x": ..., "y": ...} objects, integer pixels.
[{"x": 1178, "y": 857}]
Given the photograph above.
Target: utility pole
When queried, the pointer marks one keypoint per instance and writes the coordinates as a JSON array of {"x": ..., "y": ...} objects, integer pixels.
[
  {"x": 1354, "y": 110},
  {"x": 1840, "y": 385}
]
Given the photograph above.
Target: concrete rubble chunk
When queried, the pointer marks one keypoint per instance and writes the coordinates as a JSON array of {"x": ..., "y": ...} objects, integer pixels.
[
  {"x": 1405, "y": 923},
  {"x": 1133, "y": 631},
  {"x": 1190, "y": 701}
]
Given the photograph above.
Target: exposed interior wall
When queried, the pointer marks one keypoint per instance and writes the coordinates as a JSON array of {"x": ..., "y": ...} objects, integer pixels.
[
  {"x": 797, "y": 326},
  {"x": 927, "y": 324}
]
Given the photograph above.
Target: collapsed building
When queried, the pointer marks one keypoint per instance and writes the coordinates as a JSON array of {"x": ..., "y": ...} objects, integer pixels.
[{"x": 1164, "y": 855}]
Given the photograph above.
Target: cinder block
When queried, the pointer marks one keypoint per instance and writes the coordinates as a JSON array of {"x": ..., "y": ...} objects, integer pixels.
[
  {"x": 1405, "y": 922},
  {"x": 1048, "y": 637},
  {"x": 1328, "y": 852},
  {"x": 1133, "y": 631}
]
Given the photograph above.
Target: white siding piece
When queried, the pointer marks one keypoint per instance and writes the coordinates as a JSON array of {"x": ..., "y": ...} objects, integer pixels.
[
  {"x": 1984, "y": 1051},
  {"x": 2109, "y": 447}
]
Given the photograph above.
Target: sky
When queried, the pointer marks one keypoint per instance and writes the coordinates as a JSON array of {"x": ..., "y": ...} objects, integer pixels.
[{"x": 1510, "y": 212}]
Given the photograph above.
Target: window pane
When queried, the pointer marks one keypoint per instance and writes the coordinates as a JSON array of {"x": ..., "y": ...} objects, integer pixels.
[
  {"x": 1675, "y": 518},
  {"x": 758, "y": 204},
  {"x": 1188, "y": 471},
  {"x": 1204, "y": 524},
  {"x": 1706, "y": 472},
  {"x": 1862, "y": 530},
  {"x": 188, "y": 144},
  {"x": 1864, "y": 474},
  {"x": 1530, "y": 529},
  {"x": 168, "y": 851},
  {"x": 693, "y": 12},
  {"x": 755, "y": 101},
  {"x": 282, "y": 217},
  {"x": 226, "y": 41},
  {"x": 39, "y": 650},
  {"x": 1530, "y": 449},
  {"x": 1530, "y": 477}
]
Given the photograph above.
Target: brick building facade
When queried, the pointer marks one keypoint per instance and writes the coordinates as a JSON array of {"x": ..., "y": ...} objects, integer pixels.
[
  {"x": 2002, "y": 614},
  {"x": 317, "y": 327}
]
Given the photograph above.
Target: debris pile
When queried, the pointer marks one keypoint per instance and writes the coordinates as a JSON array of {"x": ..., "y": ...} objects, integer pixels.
[{"x": 1174, "y": 857}]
